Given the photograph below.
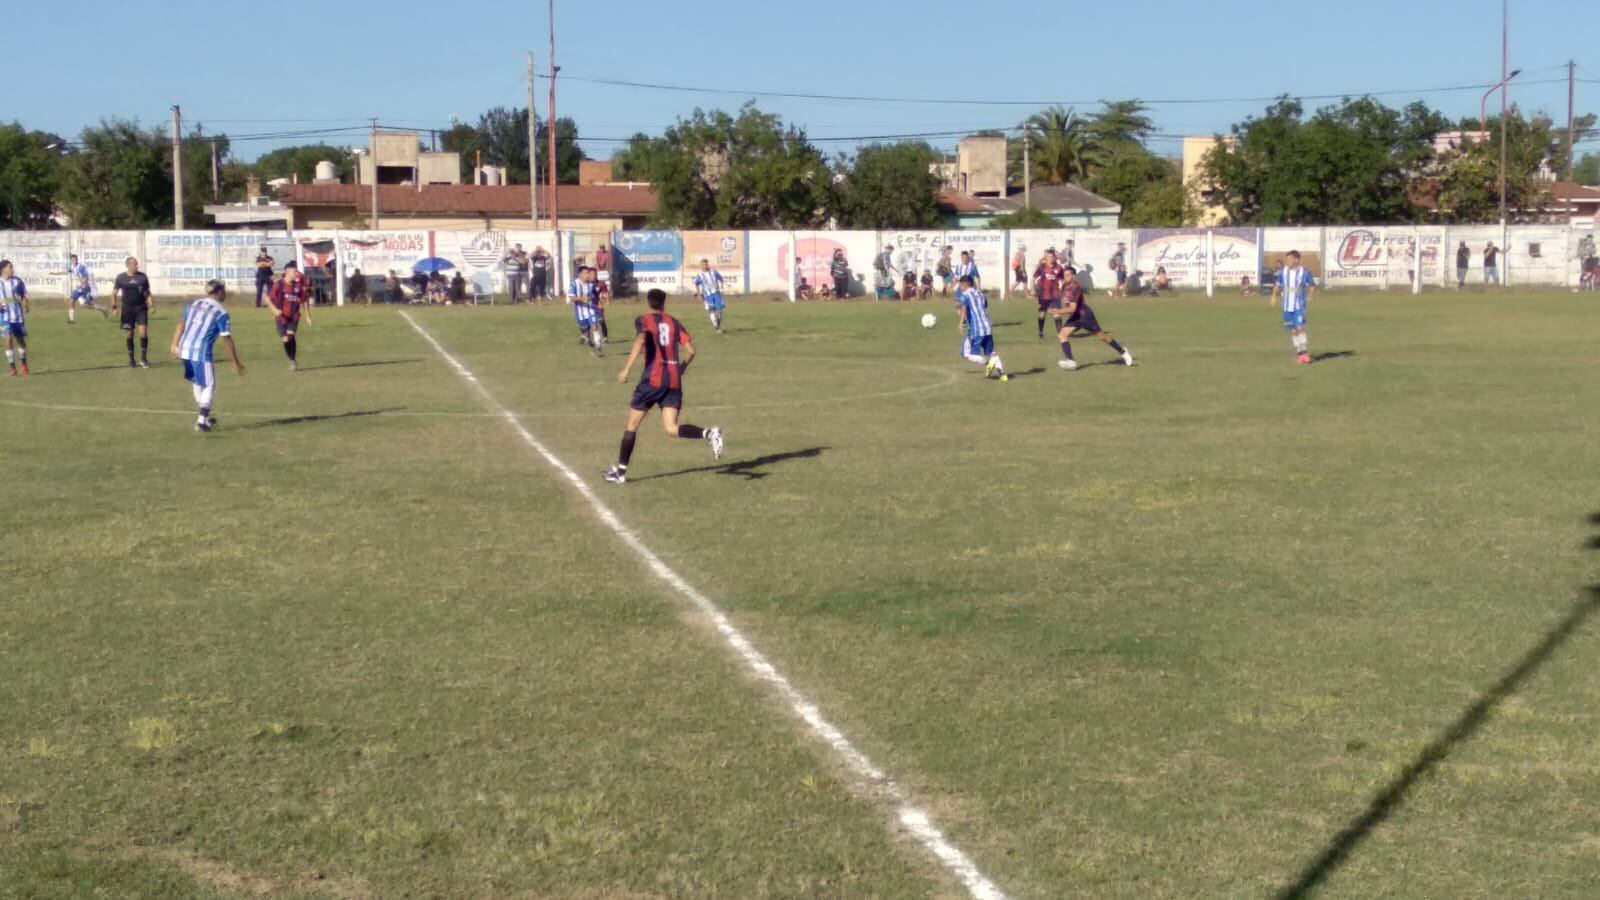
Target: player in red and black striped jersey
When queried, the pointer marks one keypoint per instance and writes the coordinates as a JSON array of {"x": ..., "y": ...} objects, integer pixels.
[
  {"x": 667, "y": 350},
  {"x": 290, "y": 299}
]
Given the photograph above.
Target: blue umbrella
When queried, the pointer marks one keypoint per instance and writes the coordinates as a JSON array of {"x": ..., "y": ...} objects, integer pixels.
[{"x": 432, "y": 264}]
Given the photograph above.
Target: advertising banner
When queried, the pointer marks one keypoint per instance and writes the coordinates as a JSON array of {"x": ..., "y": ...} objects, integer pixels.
[
  {"x": 723, "y": 249},
  {"x": 1182, "y": 253},
  {"x": 647, "y": 259},
  {"x": 376, "y": 253},
  {"x": 40, "y": 260},
  {"x": 1378, "y": 257},
  {"x": 105, "y": 253}
]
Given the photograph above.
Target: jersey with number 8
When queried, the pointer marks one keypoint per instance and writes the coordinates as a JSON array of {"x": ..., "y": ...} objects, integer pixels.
[{"x": 662, "y": 367}]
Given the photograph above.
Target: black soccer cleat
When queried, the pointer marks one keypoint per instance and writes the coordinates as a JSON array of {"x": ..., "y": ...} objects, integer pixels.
[{"x": 616, "y": 475}]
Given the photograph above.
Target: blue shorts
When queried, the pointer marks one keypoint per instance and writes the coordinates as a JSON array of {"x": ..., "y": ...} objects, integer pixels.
[
  {"x": 982, "y": 346},
  {"x": 714, "y": 303},
  {"x": 647, "y": 395},
  {"x": 1293, "y": 319},
  {"x": 202, "y": 373},
  {"x": 287, "y": 328},
  {"x": 14, "y": 329},
  {"x": 85, "y": 293}
]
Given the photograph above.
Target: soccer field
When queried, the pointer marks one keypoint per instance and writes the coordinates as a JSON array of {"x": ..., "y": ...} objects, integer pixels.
[{"x": 1216, "y": 625}]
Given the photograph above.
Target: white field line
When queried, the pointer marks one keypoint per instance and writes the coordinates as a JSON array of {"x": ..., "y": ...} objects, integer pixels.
[{"x": 911, "y": 817}]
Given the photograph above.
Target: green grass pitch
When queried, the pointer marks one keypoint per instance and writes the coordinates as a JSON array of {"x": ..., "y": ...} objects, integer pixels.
[{"x": 1180, "y": 630}]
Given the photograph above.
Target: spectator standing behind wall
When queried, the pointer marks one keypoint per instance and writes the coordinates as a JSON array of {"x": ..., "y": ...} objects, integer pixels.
[
  {"x": 840, "y": 272},
  {"x": 540, "y": 266},
  {"x": 515, "y": 264},
  {"x": 1491, "y": 264},
  {"x": 1463, "y": 261}
]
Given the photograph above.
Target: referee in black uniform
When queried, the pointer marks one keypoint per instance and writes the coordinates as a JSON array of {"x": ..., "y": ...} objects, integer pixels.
[{"x": 132, "y": 296}]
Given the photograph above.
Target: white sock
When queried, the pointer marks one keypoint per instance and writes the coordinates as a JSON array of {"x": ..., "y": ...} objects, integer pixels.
[
  {"x": 998, "y": 366},
  {"x": 22, "y": 354},
  {"x": 11, "y": 359},
  {"x": 72, "y": 311}
]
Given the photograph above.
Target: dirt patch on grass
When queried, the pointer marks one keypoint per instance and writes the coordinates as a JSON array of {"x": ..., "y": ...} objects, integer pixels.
[{"x": 224, "y": 877}]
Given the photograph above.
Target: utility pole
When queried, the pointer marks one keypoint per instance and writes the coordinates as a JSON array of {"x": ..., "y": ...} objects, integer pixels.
[
  {"x": 373, "y": 152},
  {"x": 216, "y": 174},
  {"x": 1505, "y": 21},
  {"x": 177, "y": 169},
  {"x": 533, "y": 156},
  {"x": 550, "y": 128},
  {"x": 1572, "y": 79},
  {"x": 1027, "y": 167}
]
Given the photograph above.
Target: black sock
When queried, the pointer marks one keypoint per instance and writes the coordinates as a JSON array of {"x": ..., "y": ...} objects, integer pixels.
[
  {"x": 130, "y": 348},
  {"x": 1066, "y": 349},
  {"x": 625, "y": 453},
  {"x": 144, "y": 346},
  {"x": 290, "y": 347},
  {"x": 1041, "y": 324},
  {"x": 1116, "y": 346},
  {"x": 1058, "y": 324},
  {"x": 693, "y": 432},
  {"x": 205, "y": 412},
  {"x": 604, "y": 331}
]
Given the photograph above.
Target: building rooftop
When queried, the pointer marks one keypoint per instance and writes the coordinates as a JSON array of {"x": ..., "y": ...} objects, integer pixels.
[
  {"x": 473, "y": 199},
  {"x": 1050, "y": 198}
]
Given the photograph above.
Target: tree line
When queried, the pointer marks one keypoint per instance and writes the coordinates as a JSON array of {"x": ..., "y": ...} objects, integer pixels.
[{"x": 1355, "y": 161}]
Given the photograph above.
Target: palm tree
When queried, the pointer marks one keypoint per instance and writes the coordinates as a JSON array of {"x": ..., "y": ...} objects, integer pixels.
[{"x": 1063, "y": 149}]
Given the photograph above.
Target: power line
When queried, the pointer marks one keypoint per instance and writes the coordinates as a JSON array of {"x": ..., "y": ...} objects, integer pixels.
[{"x": 850, "y": 98}]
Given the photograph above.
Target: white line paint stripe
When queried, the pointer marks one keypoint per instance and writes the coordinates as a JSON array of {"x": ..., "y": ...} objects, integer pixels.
[{"x": 912, "y": 818}]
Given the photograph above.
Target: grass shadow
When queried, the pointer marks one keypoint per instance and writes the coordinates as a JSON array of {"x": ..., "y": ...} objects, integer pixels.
[
  {"x": 360, "y": 365},
  {"x": 1335, "y": 354},
  {"x": 746, "y": 468},
  {"x": 308, "y": 419},
  {"x": 154, "y": 365},
  {"x": 1036, "y": 370},
  {"x": 1466, "y": 725}
]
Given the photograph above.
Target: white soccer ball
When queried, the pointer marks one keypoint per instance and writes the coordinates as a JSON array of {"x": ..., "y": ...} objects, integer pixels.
[{"x": 929, "y": 320}]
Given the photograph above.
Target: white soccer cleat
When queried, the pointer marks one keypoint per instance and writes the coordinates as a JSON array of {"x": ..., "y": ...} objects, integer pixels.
[
  {"x": 1067, "y": 364},
  {"x": 1127, "y": 357},
  {"x": 714, "y": 436},
  {"x": 616, "y": 475}
]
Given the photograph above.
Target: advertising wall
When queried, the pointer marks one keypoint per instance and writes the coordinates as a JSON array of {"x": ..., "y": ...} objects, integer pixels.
[
  {"x": 723, "y": 249},
  {"x": 40, "y": 259},
  {"x": 647, "y": 259},
  {"x": 1236, "y": 254}
]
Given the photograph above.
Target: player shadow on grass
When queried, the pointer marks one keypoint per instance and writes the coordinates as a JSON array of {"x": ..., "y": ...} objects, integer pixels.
[
  {"x": 1464, "y": 728},
  {"x": 305, "y": 420},
  {"x": 154, "y": 365},
  {"x": 1332, "y": 354},
  {"x": 361, "y": 365},
  {"x": 744, "y": 467}
]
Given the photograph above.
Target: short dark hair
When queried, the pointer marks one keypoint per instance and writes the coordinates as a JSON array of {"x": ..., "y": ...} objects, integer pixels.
[
  {"x": 967, "y": 280},
  {"x": 214, "y": 287},
  {"x": 291, "y": 264},
  {"x": 657, "y": 298},
  {"x": 1293, "y": 253}
]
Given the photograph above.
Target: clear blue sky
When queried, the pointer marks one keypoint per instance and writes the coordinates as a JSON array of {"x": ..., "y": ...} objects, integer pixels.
[{"x": 253, "y": 69}]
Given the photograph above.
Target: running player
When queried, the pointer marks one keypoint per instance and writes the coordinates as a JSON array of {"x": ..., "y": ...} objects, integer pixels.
[
  {"x": 585, "y": 311},
  {"x": 1079, "y": 315},
  {"x": 132, "y": 295},
  {"x": 1047, "y": 279},
  {"x": 80, "y": 288},
  {"x": 659, "y": 337},
  {"x": 204, "y": 321},
  {"x": 600, "y": 300},
  {"x": 708, "y": 284},
  {"x": 1294, "y": 287},
  {"x": 289, "y": 299},
  {"x": 13, "y": 317},
  {"x": 978, "y": 328}
]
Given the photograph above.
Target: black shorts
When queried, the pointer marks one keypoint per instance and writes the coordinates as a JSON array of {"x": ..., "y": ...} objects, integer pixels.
[
  {"x": 1122, "y": 276},
  {"x": 1047, "y": 305},
  {"x": 1084, "y": 319},
  {"x": 135, "y": 315},
  {"x": 648, "y": 395},
  {"x": 287, "y": 327}
]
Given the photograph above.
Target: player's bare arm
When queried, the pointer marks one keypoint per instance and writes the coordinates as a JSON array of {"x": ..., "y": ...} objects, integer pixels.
[
  {"x": 177, "y": 334},
  {"x": 238, "y": 367},
  {"x": 688, "y": 357},
  {"x": 633, "y": 357}
]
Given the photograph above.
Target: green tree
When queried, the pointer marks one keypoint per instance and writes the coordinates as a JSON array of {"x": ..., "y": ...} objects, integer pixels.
[
  {"x": 29, "y": 176},
  {"x": 301, "y": 162},
  {"x": 119, "y": 177},
  {"x": 713, "y": 170},
  {"x": 1063, "y": 149},
  {"x": 1164, "y": 203},
  {"x": 1469, "y": 187},
  {"x": 502, "y": 135},
  {"x": 1026, "y": 217},
  {"x": 889, "y": 186},
  {"x": 1587, "y": 169},
  {"x": 1353, "y": 162},
  {"x": 1122, "y": 122}
]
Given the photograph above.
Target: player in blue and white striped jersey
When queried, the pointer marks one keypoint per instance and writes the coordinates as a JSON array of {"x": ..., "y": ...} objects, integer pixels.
[
  {"x": 968, "y": 268},
  {"x": 1294, "y": 287},
  {"x": 80, "y": 288},
  {"x": 204, "y": 320},
  {"x": 13, "y": 317},
  {"x": 586, "y": 309},
  {"x": 708, "y": 284},
  {"x": 975, "y": 321}
]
